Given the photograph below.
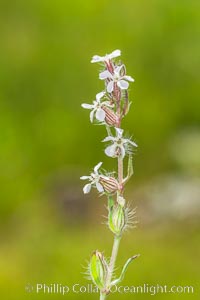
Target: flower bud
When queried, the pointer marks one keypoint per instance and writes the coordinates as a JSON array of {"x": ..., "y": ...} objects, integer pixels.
[
  {"x": 117, "y": 219},
  {"x": 110, "y": 117},
  {"x": 98, "y": 269},
  {"x": 110, "y": 184}
]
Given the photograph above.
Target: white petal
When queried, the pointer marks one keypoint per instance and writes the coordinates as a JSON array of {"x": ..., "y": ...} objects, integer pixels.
[
  {"x": 119, "y": 132},
  {"x": 129, "y": 78},
  {"x": 100, "y": 114},
  {"x": 97, "y": 58},
  {"x": 87, "y": 106},
  {"x": 96, "y": 168},
  {"x": 105, "y": 177},
  {"x": 92, "y": 115},
  {"x": 100, "y": 95},
  {"x": 115, "y": 53},
  {"x": 108, "y": 139},
  {"x": 110, "y": 86},
  {"x": 122, "y": 84},
  {"x": 85, "y": 177},
  {"x": 87, "y": 188},
  {"x": 132, "y": 143},
  {"x": 99, "y": 187},
  {"x": 118, "y": 70},
  {"x": 105, "y": 74},
  {"x": 108, "y": 104},
  {"x": 110, "y": 150}
]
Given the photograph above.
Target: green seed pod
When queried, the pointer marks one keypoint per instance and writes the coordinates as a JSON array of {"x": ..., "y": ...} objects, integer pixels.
[
  {"x": 98, "y": 269},
  {"x": 117, "y": 219}
]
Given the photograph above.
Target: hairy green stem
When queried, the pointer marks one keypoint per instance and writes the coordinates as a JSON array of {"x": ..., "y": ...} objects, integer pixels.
[
  {"x": 117, "y": 238},
  {"x": 113, "y": 258},
  {"x": 103, "y": 296},
  {"x": 111, "y": 265}
]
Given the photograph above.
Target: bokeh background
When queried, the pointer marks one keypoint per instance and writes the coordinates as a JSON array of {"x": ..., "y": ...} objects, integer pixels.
[{"x": 48, "y": 227}]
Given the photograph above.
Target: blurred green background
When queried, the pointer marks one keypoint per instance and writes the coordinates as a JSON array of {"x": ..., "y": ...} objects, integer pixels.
[{"x": 48, "y": 227}]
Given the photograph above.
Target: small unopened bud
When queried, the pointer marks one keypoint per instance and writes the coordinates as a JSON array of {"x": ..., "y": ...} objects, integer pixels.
[
  {"x": 98, "y": 269},
  {"x": 110, "y": 184},
  {"x": 117, "y": 219},
  {"x": 110, "y": 117}
]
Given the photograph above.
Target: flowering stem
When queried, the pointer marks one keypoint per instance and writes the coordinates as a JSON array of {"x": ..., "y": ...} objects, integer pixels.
[{"x": 108, "y": 109}]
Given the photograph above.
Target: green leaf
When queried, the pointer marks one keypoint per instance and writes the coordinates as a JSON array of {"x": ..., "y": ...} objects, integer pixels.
[
  {"x": 116, "y": 281},
  {"x": 130, "y": 169}
]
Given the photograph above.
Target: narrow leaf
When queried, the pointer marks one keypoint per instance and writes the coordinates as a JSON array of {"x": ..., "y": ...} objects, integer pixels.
[
  {"x": 116, "y": 281},
  {"x": 130, "y": 169}
]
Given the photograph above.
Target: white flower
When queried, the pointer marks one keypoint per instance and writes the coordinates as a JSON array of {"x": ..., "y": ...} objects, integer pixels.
[
  {"x": 94, "y": 180},
  {"x": 106, "y": 58},
  {"x": 120, "y": 80},
  {"x": 97, "y": 108},
  {"x": 118, "y": 143}
]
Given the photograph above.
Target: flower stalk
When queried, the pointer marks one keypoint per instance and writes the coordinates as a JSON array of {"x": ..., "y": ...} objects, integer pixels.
[{"x": 108, "y": 109}]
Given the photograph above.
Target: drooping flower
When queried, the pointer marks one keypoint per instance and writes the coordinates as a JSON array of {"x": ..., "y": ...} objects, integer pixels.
[
  {"x": 119, "y": 144},
  {"x": 106, "y": 58},
  {"x": 117, "y": 77},
  {"x": 97, "y": 108},
  {"x": 101, "y": 182}
]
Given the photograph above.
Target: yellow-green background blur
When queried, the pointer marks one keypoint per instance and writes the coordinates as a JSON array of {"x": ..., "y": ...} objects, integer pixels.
[{"x": 48, "y": 227}]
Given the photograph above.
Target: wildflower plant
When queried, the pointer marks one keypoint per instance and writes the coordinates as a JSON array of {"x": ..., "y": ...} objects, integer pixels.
[{"x": 108, "y": 109}]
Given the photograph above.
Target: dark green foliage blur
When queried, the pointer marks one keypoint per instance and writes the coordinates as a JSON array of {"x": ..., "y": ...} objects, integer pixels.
[{"x": 48, "y": 227}]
